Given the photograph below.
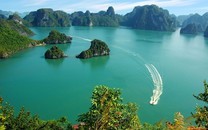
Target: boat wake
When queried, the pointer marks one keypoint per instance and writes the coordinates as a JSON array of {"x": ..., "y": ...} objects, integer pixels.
[
  {"x": 85, "y": 39},
  {"x": 129, "y": 52},
  {"x": 158, "y": 84}
]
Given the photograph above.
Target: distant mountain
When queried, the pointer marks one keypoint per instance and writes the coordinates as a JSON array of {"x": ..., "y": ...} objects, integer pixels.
[
  {"x": 81, "y": 19},
  {"x": 15, "y": 17},
  {"x": 182, "y": 18},
  {"x": 6, "y": 13},
  {"x": 2, "y": 16},
  {"x": 191, "y": 29},
  {"x": 102, "y": 18},
  {"x": 150, "y": 17},
  {"x": 22, "y": 15},
  {"x": 48, "y": 18},
  {"x": 198, "y": 20}
]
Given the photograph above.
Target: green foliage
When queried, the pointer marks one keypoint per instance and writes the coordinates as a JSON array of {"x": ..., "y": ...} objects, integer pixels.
[
  {"x": 15, "y": 17},
  {"x": 201, "y": 115},
  {"x": 97, "y": 48},
  {"x": 25, "y": 121},
  {"x": 48, "y": 18},
  {"x": 56, "y": 37},
  {"x": 16, "y": 26},
  {"x": 156, "y": 126},
  {"x": 11, "y": 41},
  {"x": 2, "y": 117},
  {"x": 54, "y": 53},
  {"x": 108, "y": 111}
]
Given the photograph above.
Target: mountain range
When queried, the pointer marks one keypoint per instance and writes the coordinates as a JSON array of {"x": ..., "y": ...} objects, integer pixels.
[{"x": 149, "y": 17}]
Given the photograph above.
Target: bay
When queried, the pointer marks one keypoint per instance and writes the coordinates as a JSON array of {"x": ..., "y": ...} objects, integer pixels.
[{"x": 55, "y": 88}]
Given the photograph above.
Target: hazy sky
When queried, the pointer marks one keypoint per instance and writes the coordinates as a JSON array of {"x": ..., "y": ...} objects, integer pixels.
[{"x": 121, "y": 6}]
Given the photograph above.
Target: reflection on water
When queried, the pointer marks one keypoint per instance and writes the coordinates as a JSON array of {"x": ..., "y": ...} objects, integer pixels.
[
  {"x": 96, "y": 62},
  {"x": 55, "y": 62}
]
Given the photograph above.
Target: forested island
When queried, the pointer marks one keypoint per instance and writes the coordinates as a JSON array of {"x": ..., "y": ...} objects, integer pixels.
[
  {"x": 54, "y": 53},
  {"x": 97, "y": 48},
  {"x": 150, "y": 17},
  {"x": 56, "y": 37}
]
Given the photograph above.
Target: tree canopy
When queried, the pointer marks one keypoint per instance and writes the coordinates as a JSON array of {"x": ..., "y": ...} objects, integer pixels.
[{"x": 108, "y": 112}]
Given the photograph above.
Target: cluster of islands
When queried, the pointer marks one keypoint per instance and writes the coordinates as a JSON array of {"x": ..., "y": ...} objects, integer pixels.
[{"x": 15, "y": 33}]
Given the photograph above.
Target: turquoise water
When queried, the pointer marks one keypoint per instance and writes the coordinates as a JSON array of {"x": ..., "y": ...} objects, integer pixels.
[{"x": 55, "y": 88}]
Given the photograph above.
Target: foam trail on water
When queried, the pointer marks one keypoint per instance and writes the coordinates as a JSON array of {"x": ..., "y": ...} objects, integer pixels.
[
  {"x": 130, "y": 52},
  {"x": 158, "y": 84},
  {"x": 85, "y": 39},
  {"x": 155, "y": 75}
]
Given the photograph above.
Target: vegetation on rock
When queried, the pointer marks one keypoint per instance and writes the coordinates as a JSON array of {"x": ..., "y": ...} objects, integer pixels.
[
  {"x": 97, "y": 48},
  {"x": 16, "y": 26},
  {"x": 150, "y": 17},
  {"x": 103, "y": 18},
  {"x": 11, "y": 41},
  {"x": 56, "y": 37},
  {"x": 81, "y": 19},
  {"x": 54, "y": 53},
  {"x": 48, "y": 18}
]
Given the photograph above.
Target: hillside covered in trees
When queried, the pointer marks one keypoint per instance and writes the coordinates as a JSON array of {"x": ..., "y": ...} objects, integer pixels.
[{"x": 11, "y": 39}]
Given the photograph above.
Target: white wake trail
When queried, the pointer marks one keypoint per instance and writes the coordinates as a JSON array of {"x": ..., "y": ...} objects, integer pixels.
[
  {"x": 158, "y": 84},
  {"x": 129, "y": 52},
  {"x": 85, "y": 39}
]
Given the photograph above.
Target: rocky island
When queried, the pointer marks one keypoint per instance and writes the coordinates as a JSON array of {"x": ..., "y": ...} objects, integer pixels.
[
  {"x": 150, "y": 17},
  {"x": 103, "y": 18},
  {"x": 56, "y": 37},
  {"x": 97, "y": 48},
  {"x": 54, "y": 53},
  {"x": 191, "y": 29},
  {"x": 47, "y": 17}
]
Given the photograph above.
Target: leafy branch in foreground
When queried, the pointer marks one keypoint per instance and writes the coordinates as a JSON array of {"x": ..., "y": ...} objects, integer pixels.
[
  {"x": 108, "y": 111},
  {"x": 201, "y": 115},
  {"x": 25, "y": 121}
]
